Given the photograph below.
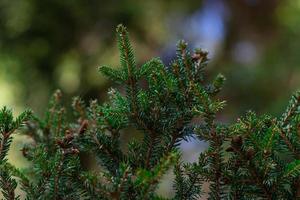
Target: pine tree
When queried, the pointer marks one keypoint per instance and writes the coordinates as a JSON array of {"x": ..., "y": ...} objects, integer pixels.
[{"x": 256, "y": 157}]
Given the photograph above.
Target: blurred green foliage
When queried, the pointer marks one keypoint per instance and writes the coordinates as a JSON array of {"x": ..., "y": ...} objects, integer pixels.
[
  {"x": 52, "y": 44},
  {"x": 58, "y": 44},
  {"x": 265, "y": 82}
]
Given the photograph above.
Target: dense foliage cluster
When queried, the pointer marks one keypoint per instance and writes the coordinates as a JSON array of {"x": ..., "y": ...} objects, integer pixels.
[{"x": 257, "y": 157}]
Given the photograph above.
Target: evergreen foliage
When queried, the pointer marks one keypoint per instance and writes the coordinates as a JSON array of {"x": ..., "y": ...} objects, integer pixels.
[{"x": 257, "y": 157}]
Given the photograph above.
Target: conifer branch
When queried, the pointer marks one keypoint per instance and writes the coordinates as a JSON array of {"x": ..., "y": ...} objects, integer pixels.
[{"x": 255, "y": 158}]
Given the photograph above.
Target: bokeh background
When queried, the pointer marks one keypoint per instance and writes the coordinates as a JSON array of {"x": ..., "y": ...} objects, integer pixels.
[{"x": 52, "y": 44}]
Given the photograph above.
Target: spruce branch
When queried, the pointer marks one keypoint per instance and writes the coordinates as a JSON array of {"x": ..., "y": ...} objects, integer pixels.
[
  {"x": 256, "y": 157},
  {"x": 8, "y": 125},
  {"x": 8, "y": 185}
]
